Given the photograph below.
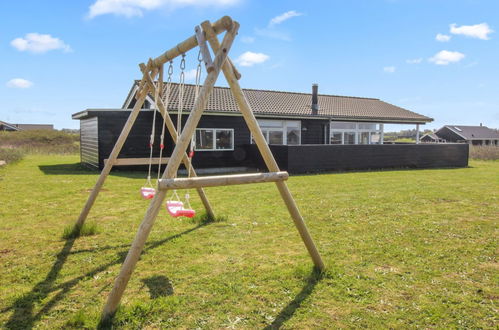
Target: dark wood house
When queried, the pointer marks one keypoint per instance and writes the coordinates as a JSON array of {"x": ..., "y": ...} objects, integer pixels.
[
  {"x": 432, "y": 138},
  {"x": 475, "y": 135},
  {"x": 325, "y": 128},
  {"x": 4, "y": 126},
  {"x": 24, "y": 127}
]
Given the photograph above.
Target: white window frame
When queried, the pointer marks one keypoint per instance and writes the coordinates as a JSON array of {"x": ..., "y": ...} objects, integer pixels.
[
  {"x": 356, "y": 130},
  {"x": 280, "y": 125},
  {"x": 214, "y": 132}
]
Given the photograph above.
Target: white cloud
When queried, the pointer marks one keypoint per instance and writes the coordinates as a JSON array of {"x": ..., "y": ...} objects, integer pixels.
[
  {"x": 414, "y": 60},
  {"x": 442, "y": 37},
  {"x": 284, "y": 17},
  {"x": 250, "y": 58},
  {"x": 480, "y": 31},
  {"x": 130, "y": 8},
  {"x": 389, "y": 69},
  {"x": 39, "y": 43},
  {"x": 445, "y": 57},
  {"x": 19, "y": 83},
  {"x": 271, "y": 31},
  {"x": 248, "y": 40}
]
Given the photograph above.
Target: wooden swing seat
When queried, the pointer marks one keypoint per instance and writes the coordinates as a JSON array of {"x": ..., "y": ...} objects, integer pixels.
[{"x": 176, "y": 209}]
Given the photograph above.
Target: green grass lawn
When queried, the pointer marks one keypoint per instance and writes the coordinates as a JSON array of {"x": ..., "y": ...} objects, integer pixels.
[{"x": 403, "y": 249}]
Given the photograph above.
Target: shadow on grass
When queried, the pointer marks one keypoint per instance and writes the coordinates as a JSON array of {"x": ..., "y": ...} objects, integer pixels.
[
  {"x": 24, "y": 316},
  {"x": 384, "y": 169},
  {"x": 159, "y": 286},
  {"x": 66, "y": 169},
  {"x": 79, "y": 169},
  {"x": 136, "y": 171},
  {"x": 287, "y": 312}
]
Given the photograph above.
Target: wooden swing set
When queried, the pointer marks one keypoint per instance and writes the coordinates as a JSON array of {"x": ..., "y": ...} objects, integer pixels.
[{"x": 205, "y": 34}]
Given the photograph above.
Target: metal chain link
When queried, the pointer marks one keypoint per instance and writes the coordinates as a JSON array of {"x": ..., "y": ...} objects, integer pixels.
[{"x": 198, "y": 74}]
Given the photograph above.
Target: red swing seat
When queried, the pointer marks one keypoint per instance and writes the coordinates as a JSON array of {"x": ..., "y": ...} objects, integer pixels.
[
  {"x": 147, "y": 192},
  {"x": 176, "y": 209}
]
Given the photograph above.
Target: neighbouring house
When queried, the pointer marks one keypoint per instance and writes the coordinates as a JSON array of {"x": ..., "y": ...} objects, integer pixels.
[
  {"x": 24, "y": 127},
  {"x": 4, "y": 126},
  {"x": 474, "y": 135},
  {"x": 306, "y": 132},
  {"x": 432, "y": 138}
]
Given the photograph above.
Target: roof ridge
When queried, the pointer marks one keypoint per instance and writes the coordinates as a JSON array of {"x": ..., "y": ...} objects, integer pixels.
[
  {"x": 476, "y": 126},
  {"x": 285, "y": 92}
]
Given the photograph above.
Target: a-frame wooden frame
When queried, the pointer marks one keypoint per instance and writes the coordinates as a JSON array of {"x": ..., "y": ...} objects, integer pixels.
[{"x": 222, "y": 63}]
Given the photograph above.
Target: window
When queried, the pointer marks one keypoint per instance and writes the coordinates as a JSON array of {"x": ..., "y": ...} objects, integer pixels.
[
  {"x": 375, "y": 138},
  {"x": 336, "y": 138},
  {"x": 204, "y": 139},
  {"x": 280, "y": 131},
  {"x": 275, "y": 137},
  {"x": 368, "y": 126},
  {"x": 364, "y": 138},
  {"x": 355, "y": 133},
  {"x": 214, "y": 139},
  {"x": 293, "y": 132},
  {"x": 343, "y": 125},
  {"x": 349, "y": 138}
]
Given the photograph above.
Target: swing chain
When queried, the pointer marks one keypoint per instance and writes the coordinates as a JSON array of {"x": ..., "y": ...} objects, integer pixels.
[
  {"x": 196, "y": 94},
  {"x": 181, "y": 95},
  {"x": 166, "y": 103},
  {"x": 153, "y": 132}
]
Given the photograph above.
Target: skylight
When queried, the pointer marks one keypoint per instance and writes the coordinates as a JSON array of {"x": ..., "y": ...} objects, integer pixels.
[{"x": 458, "y": 129}]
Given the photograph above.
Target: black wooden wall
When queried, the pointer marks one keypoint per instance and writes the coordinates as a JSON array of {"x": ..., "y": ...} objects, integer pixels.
[
  {"x": 110, "y": 124},
  {"x": 313, "y": 131},
  {"x": 89, "y": 142},
  {"x": 318, "y": 158}
]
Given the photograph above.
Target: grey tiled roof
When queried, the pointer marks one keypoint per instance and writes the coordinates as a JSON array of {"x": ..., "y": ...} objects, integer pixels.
[
  {"x": 474, "y": 132},
  {"x": 432, "y": 135},
  {"x": 266, "y": 102}
]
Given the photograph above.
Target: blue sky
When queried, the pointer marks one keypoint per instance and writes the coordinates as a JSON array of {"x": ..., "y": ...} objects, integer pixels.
[{"x": 61, "y": 57}]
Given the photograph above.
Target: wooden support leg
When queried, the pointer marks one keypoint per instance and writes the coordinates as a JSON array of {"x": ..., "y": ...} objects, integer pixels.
[
  {"x": 250, "y": 119},
  {"x": 112, "y": 158},
  {"x": 173, "y": 132},
  {"x": 170, "y": 171}
]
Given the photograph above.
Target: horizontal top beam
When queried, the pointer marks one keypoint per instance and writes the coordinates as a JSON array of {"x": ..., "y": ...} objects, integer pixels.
[
  {"x": 221, "y": 180},
  {"x": 139, "y": 161},
  {"x": 223, "y": 24}
]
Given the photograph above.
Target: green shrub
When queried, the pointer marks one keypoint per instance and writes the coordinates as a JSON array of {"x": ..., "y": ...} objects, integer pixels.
[
  {"x": 41, "y": 141},
  {"x": 10, "y": 155},
  {"x": 484, "y": 152},
  {"x": 405, "y": 140}
]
